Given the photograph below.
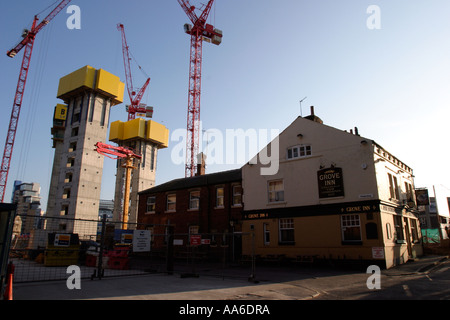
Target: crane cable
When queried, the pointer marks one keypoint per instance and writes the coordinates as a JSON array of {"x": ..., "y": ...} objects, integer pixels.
[{"x": 33, "y": 105}]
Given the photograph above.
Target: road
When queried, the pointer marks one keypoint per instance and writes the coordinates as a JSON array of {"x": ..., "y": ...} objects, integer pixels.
[{"x": 433, "y": 284}]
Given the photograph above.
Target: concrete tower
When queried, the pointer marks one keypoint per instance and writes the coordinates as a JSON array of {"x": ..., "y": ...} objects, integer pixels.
[
  {"x": 77, "y": 174},
  {"x": 145, "y": 137}
]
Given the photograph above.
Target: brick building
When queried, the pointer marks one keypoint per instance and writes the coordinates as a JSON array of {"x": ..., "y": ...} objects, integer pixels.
[{"x": 210, "y": 205}]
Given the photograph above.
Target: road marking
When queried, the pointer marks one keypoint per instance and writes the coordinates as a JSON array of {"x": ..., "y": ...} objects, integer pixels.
[{"x": 407, "y": 291}]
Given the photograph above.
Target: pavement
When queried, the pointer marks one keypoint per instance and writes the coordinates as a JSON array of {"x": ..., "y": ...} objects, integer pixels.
[{"x": 269, "y": 283}]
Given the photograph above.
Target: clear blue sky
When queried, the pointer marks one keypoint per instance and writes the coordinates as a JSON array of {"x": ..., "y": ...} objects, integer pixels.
[{"x": 392, "y": 83}]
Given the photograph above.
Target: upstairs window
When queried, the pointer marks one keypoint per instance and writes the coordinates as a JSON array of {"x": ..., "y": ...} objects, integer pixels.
[
  {"x": 219, "y": 197},
  {"x": 393, "y": 187},
  {"x": 300, "y": 151},
  {"x": 151, "y": 203},
  {"x": 276, "y": 191},
  {"x": 194, "y": 200},
  {"x": 171, "y": 202},
  {"x": 237, "y": 195}
]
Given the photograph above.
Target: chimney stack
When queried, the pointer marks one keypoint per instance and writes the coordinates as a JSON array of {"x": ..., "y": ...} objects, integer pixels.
[
  {"x": 313, "y": 117},
  {"x": 201, "y": 164}
]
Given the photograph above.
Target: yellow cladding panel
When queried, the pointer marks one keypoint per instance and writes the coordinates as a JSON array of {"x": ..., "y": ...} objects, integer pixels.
[
  {"x": 140, "y": 129},
  {"x": 60, "y": 112},
  {"x": 134, "y": 129},
  {"x": 83, "y": 77},
  {"x": 116, "y": 131},
  {"x": 110, "y": 84},
  {"x": 157, "y": 133}
]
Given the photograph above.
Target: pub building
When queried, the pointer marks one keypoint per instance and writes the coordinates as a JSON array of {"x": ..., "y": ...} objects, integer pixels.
[{"x": 336, "y": 196}]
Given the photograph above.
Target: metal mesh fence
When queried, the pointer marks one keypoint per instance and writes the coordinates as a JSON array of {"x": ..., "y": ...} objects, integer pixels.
[{"x": 103, "y": 248}]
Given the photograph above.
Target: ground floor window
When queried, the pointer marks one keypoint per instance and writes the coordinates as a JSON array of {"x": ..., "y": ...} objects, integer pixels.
[
  {"x": 414, "y": 232},
  {"x": 399, "y": 235},
  {"x": 266, "y": 234},
  {"x": 351, "y": 228},
  {"x": 286, "y": 231}
]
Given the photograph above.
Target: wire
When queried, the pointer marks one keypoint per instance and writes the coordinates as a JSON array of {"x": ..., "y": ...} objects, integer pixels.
[{"x": 52, "y": 5}]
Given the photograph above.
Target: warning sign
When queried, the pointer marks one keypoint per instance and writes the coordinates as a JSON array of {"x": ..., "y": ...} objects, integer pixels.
[
  {"x": 141, "y": 240},
  {"x": 377, "y": 252},
  {"x": 196, "y": 240},
  {"x": 62, "y": 240}
]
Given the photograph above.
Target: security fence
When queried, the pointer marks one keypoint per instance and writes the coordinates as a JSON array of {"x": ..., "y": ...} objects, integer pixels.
[{"x": 104, "y": 248}]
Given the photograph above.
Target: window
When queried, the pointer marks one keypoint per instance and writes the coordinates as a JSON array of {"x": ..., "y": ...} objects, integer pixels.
[
  {"x": 371, "y": 231},
  {"x": 237, "y": 195},
  {"x": 409, "y": 192},
  {"x": 72, "y": 146},
  {"x": 388, "y": 231},
  {"x": 194, "y": 199},
  {"x": 266, "y": 232},
  {"x": 414, "y": 233},
  {"x": 68, "y": 178},
  {"x": 193, "y": 230},
  {"x": 171, "y": 202},
  {"x": 399, "y": 236},
  {"x": 151, "y": 203},
  {"x": 351, "y": 228},
  {"x": 70, "y": 162},
  {"x": 299, "y": 151},
  {"x": 219, "y": 197},
  {"x": 286, "y": 231},
  {"x": 276, "y": 191},
  {"x": 393, "y": 187}
]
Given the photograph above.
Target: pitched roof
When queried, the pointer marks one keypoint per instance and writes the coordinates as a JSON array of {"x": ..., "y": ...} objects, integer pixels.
[{"x": 197, "y": 181}]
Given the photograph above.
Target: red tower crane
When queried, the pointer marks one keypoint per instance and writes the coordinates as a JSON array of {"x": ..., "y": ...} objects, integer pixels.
[
  {"x": 135, "y": 98},
  {"x": 27, "y": 42},
  {"x": 115, "y": 153},
  {"x": 200, "y": 31}
]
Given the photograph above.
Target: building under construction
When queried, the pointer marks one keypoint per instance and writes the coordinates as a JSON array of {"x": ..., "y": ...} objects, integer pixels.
[
  {"x": 146, "y": 137},
  {"x": 78, "y": 125},
  {"x": 77, "y": 169}
]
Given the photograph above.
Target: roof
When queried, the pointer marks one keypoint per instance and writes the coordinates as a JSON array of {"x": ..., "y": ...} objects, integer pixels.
[{"x": 197, "y": 181}]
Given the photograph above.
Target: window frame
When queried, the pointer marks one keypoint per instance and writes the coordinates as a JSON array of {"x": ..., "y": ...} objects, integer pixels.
[
  {"x": 298, "y": 151},
  {"x": 277, "y": 192},
  {"x": 237, "y": 195},
  {"x": 222, "y": 197},
  {"x": 174, "y": 203},
  {"x": 191, "y": 199},
  {"x": 148, "y": 204},
  {"x": 351, "y": 221},
  {"x": 399, "y": 230},
  {"x": 286, "y": 231}
]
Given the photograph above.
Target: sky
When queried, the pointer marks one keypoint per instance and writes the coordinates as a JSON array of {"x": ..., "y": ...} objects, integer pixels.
[{"x": 386, "y": 72}]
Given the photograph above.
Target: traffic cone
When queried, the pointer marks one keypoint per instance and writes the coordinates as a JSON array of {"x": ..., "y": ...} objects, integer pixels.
[{"x": 8, "y": 295}]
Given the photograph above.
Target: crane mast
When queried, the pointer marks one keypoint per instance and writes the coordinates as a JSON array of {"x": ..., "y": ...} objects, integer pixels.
[
  {"x": 27, "y": 42},
  {"x": 128, "y": 154},
  {"x": 200, "y": 31},
  {"x": 135, "y": 98}
]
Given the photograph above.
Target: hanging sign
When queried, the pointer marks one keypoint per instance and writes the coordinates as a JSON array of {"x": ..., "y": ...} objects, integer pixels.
[{"x": 331, "y": 183}]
